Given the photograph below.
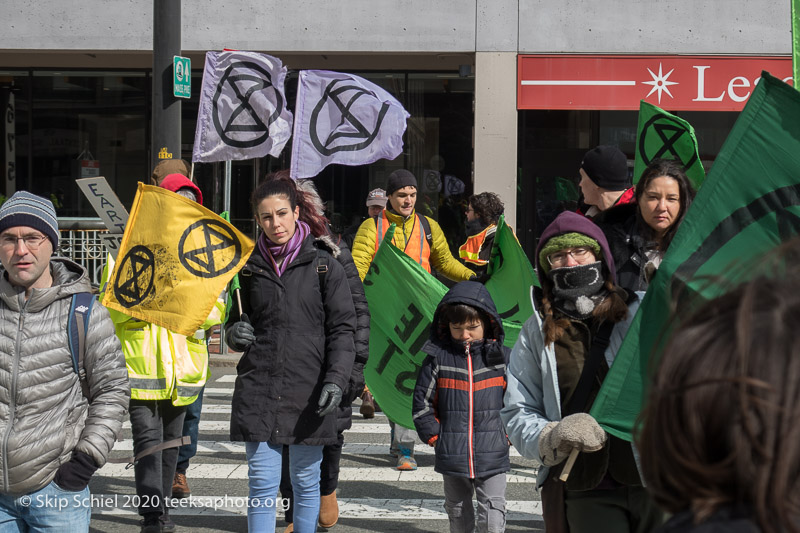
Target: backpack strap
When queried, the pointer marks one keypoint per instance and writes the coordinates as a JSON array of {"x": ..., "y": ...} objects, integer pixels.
[
  {"x": 322, "y": 269},
  {"x": 378, "y": 230},
  {"x": 131, "y": 460},
  {"x": 77, "y": 328},
  {"x": 425, "y": 225}
]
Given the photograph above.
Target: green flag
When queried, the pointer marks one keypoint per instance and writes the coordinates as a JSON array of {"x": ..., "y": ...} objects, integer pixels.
[
  {"x": 796, "y": 43},
  {"x": 402, "y": 298},
  {"x": 749, "y": 204},
  {"x": 511, "y": 281},
  {"x": 663, "y": 135}
]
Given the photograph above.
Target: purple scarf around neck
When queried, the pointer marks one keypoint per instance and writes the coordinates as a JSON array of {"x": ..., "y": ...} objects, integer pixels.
[{"x": 288, "y": 250}]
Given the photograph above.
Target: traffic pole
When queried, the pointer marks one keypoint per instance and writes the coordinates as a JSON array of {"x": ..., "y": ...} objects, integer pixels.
[{"x": 166, "y": 132}]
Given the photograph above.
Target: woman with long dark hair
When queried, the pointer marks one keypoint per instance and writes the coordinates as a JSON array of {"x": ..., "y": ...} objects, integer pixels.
[
  {"x": 640, "y": 233},
  {"x": 312, "y": 212},
  {"x": 296, "y": 329}
]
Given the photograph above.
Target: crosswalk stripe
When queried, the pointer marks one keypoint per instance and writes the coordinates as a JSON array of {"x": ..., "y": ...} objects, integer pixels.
[
  {"x": 216, "y": 426},
  {"x": 216, "y": 409},
  {"x": 350, "y": 448},
  {"x": 377, "y": 473},
  {"x": 212, "y": 391},
  {"x": 353, "y": 508},
  {"x": 228, "y": 378}
]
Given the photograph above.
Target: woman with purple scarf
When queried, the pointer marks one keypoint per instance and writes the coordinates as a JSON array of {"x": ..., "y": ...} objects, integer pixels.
[{"x": 295, "y": 327}]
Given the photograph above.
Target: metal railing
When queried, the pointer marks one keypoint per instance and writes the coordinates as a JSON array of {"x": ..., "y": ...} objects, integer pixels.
[{"x": 79, "y": 239}]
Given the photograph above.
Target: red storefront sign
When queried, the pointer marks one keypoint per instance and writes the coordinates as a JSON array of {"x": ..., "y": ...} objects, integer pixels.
[{"x": 674, "y": 83}]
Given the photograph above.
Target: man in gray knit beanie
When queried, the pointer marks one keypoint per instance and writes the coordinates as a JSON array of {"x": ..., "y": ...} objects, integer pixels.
[
  {"x": 56, "y": 435},
  {"x": 26, "y": 209},
  {"x": 27, "y": 222}
]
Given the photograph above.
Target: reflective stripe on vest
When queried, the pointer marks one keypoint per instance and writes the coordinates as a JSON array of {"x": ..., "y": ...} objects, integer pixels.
[
  {"x": 470, "y": 250},
  {"x": 416, "y": 247}
]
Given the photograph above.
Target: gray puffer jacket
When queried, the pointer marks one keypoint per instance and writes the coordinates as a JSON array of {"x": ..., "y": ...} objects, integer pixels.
[{"x": 43, "y": 413}]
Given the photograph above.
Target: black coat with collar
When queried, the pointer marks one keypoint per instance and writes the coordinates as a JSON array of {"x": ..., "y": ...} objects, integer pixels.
[
  {"x": 304, "y": 339},
  {"x": 622, "y": 229}
]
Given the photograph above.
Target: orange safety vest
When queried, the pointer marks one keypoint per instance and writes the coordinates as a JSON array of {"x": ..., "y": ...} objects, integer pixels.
[
  {"x": 417, "y": 247},
  {"x": 470, "y": 250}
]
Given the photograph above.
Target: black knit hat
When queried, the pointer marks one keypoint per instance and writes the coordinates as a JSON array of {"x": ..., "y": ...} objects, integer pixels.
[
  {"x": 26, "y": 209},
  {"x": 400, "y": 178},
  {"x": 607, "y": 167}
]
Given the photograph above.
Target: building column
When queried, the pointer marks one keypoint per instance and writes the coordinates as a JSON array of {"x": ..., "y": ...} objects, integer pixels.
[{"x": 496, "y": 128}]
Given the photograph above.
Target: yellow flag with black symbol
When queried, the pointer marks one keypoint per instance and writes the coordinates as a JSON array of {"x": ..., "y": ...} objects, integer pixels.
[{"x": 175, "y": 259}]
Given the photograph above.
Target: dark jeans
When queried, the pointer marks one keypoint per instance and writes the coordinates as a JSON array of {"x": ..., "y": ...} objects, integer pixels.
[
  {"x": 620, "y": 510},
  {"x": 154, "y": 422},
  {"x": 191, "y": 426},
  {"x": 328, "y": 478}
]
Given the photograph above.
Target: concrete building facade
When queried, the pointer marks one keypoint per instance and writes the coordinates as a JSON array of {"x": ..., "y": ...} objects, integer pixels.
[{"x": 445, "y": 57}]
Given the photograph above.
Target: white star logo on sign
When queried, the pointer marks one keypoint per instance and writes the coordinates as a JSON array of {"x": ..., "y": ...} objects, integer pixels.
[{"x": 660, "y": 83}]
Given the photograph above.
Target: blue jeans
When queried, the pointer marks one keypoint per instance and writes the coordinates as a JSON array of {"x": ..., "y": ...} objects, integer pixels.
[
  {"x": 264, "y": 462},
  {"x": 191, "y": 425},
  {"x": 48, "y": 509}
]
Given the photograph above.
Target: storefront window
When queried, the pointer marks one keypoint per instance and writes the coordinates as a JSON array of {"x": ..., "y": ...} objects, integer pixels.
[
  {"x": 438, "y": 149},
  {"x": 552, "y": 146},
  {"x": 71, "y": 124},
  {"x": 14, "y": 92},
  {"x": 87, "y": 124}
]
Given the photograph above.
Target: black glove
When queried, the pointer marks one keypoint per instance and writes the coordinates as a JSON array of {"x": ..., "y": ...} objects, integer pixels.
[
  {"x": 329, "y": 399},
  {"x": 356, "y": 384},
  {"x": 240, "y": 335},
  {"x": 482, "y": 278},
  {"x": 74, "y": 475}
]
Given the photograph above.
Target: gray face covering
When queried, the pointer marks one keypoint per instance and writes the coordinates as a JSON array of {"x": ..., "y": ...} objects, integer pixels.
[
  {"x": 578, "y": 289},
  {"x": 187, "y": 193}
]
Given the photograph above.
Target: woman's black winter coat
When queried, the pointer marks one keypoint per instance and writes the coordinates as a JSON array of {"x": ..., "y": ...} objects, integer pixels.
[
  {"x": 623, "y": 230},
  {"x": 304, "y": 339}
]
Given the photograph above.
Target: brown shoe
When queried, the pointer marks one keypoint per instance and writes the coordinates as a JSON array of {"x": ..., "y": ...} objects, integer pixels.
[
  {"x": 367, "y": 408},
  {"x": 180, "y": 487},
  {"x": 289, "y": 528},
  {"x": 328, "y": 510}
]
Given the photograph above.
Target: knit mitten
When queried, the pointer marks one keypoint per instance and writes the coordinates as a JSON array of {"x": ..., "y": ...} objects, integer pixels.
[{"x": 558, "y": 439}]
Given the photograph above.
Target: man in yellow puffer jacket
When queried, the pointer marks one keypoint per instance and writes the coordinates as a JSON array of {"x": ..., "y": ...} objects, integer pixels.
[{"x": 411, "y": 237}]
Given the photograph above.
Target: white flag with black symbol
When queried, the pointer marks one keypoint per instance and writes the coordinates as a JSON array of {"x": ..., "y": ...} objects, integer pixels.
[
  {"x": 342, "y": 118},
  {"x": 243, "y": 112}
]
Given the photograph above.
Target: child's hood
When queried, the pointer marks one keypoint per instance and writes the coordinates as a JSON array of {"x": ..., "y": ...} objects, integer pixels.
[{"x": 475, "y": 295}]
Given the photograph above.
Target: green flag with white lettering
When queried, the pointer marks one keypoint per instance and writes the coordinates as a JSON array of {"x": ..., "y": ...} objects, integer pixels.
[
  {"x": 511, "y": 281},
  {"x": 402, "y": 298},
  {"x": 663, "y": 135},
  {"x": 796, "y": 43},
  {"x": 749, "y": 204}
]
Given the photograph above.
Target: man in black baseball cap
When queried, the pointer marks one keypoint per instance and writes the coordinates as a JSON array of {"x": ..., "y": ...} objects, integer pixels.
[
  {"x": 422, "y": 239},
  {"x": 605, "y": 181}
]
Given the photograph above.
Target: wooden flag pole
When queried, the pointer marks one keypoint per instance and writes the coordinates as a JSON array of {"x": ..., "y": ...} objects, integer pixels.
[{"x": 573, "y": 455}]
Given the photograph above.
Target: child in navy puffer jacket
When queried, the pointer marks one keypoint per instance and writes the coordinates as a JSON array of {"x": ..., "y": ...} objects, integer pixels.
[{"x": 457, "y": 402}]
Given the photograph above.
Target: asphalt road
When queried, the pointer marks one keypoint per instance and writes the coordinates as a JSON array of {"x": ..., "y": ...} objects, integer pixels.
[{"x": 373, "y": 496}]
